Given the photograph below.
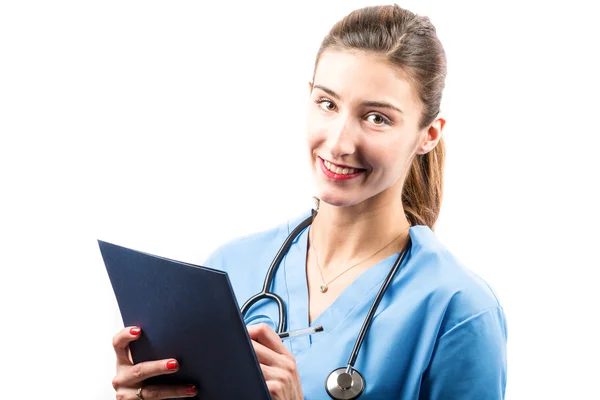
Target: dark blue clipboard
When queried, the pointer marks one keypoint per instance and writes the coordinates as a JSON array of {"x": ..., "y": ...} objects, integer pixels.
[{"x": 190, "y": 313}]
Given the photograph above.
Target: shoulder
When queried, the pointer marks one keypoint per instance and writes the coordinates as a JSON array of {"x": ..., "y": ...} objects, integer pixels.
[
  {"x": 253, "y": 247},
  {"x": 457, "y": 293},
  {"x": 467, "y": 324}
]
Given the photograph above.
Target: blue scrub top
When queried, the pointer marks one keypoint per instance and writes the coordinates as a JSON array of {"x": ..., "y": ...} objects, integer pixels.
[{"x": 438, "y": 333}]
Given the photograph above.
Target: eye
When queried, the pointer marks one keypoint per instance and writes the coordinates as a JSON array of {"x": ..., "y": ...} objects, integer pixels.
[
  {"x": 379, "y": 119},
  {"x": 329, "y": 106}
]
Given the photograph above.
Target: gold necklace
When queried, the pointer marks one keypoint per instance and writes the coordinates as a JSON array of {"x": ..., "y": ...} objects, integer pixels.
[{"x": 325, "y": 286}]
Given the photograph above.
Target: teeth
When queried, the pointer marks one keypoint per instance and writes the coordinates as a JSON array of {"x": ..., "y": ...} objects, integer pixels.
[{"x": 338, "y": 170}]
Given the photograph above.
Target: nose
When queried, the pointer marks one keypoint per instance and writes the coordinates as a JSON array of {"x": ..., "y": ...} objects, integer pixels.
[{"x": 340, "y": 138}]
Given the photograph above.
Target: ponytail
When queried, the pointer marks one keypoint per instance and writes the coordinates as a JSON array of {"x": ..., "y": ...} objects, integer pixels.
[{"x": 423, "y": 188}]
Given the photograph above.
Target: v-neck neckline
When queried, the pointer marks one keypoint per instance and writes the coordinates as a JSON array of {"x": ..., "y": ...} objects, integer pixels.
[{"x": 363, "y": 288}]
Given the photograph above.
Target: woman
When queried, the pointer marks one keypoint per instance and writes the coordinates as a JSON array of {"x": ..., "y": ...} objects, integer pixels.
[{"x": 377, "y": 154}]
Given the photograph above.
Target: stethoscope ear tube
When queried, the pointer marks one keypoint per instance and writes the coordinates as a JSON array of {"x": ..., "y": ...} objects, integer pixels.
[
  {"x": 265, "y": 293},
  {"x": 382, "y": 289}
]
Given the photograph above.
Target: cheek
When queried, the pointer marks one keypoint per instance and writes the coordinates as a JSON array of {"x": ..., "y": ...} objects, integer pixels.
[
  {"x": 315, "y": 132},
  {"x": 390, "y": 158},
  {"x": 312, "y": 139}
]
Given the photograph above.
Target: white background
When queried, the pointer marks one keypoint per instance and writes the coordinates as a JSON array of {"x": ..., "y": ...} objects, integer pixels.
[{"x": 172, "y": 127}]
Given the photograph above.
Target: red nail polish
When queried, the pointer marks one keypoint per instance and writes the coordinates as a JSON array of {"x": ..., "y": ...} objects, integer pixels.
[
  {"x": 190, "y": 390},
  {"x": 172, "y": 365},
  {"x": 134, "y": 331}
]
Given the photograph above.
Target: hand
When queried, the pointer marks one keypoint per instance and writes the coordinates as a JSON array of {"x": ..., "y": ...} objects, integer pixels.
[
  {"x": 130, "y": 376},
  {"x": 277, "y": 363}
]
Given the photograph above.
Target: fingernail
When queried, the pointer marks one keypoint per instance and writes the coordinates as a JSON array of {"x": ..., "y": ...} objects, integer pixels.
[
  {"x": 190, "y": 389},
  {"x": 134, "y": 331},
  {"x": 172, "y": 364}
]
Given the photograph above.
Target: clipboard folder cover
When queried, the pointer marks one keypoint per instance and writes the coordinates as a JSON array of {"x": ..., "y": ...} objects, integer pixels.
[{"x": 189, "y": 313}]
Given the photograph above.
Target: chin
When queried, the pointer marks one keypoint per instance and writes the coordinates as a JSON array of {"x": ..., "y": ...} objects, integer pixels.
[{"x": 338, "y": 200}]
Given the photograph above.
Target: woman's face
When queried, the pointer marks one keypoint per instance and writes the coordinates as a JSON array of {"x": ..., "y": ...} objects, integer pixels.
[{"x": 363, "y": 129}]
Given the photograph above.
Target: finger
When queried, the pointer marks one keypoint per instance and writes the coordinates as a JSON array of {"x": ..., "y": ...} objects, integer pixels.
[
  {"x": 274, "y": 365},
  {"x": 265, "y": 355},
  {"x": 266, "y": 336},
  {"x": 121, "y": 343},
  {"x": 168, "y": 392},
  {"x": 270, "y": 373},
  {"x": 275, "y": 388},
  {"x": 132, "y": 376}
]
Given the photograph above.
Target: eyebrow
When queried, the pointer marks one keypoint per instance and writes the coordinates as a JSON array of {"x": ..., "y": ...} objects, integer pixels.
[{"x": 378, "y": 104}]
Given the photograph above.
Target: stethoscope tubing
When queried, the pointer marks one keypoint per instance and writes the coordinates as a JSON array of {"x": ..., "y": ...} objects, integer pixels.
[
  {"x": 369, "y": 319},
  {"x": 265, "y": 293}
]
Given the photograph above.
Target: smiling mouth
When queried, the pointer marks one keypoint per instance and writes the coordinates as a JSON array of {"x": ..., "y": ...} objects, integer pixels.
[{"x": 340, "y": 169}]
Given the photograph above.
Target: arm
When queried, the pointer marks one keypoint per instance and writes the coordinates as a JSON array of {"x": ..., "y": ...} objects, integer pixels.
[{"x": 469, "y": 361}]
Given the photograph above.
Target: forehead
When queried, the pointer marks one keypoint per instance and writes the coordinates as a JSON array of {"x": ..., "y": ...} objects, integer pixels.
[{"x": 360, "y": 76}]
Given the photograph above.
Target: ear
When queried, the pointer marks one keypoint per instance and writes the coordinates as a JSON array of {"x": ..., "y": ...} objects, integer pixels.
[
  {"x": 310, "y": 87},
  {"x": 431, "y": 135}
]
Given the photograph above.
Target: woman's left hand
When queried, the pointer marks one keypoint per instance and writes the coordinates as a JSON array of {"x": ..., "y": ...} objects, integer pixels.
[{"x": 277, "y": 363}]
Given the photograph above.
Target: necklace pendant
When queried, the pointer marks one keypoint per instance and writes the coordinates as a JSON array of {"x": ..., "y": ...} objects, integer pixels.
[{"x": 323, "y": 288}]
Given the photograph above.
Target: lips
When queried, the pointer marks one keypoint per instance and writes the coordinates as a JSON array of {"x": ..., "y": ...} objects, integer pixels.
[
  {"x": 339, "y": 172},
  {"x": 339, "y": 168},
  {"x": 343, "y": 170}
]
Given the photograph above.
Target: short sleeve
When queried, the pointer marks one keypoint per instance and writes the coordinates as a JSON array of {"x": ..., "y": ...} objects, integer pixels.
[{"x": 469, "y": 361}]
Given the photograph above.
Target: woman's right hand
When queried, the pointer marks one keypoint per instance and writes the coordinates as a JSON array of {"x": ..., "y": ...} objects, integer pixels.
[{"x": 130, "y": 376}]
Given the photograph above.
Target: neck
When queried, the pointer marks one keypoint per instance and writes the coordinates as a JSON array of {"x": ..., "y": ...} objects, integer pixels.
[{"x": 344, "y": 235}]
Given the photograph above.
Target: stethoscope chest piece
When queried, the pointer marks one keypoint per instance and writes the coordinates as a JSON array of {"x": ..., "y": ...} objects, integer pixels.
[{"x": 342, "y": 385}]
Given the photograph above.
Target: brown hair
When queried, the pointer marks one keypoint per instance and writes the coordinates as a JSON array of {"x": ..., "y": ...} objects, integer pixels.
[{"x": 408, "y": 42}]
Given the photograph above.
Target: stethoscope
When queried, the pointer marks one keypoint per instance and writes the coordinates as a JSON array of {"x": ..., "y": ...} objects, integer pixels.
[{"x": 344, "y": 383}]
